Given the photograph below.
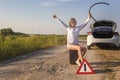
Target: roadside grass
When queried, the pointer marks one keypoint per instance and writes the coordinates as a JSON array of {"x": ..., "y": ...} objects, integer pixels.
[
  {"x": 83, "y": 37},
  {"x": 20, "y": 44},
  {"x": 12, "y": 46}
]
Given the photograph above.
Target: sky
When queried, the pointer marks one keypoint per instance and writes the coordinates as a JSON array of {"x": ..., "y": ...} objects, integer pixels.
[{"x": 35, "y": 16}]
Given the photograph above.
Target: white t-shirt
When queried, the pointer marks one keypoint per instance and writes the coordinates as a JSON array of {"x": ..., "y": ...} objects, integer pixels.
[{"x": 73, "y": 33}]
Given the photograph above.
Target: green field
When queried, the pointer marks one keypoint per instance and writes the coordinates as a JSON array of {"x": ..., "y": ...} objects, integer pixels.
[{"x": 14, "y": 44}]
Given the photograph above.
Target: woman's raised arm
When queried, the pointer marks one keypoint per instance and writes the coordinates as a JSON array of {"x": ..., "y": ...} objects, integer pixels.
[{"x": 61, "y": 22}]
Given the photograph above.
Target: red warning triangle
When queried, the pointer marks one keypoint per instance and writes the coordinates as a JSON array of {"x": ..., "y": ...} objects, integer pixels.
[{"x": 85, "y": 68}]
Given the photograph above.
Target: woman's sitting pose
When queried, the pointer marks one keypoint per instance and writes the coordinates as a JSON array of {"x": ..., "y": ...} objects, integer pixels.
[{"x": 73, "y": 36}]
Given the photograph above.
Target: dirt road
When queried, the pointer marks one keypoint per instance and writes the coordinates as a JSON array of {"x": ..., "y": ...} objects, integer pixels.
[{"x": 53, "y": 64}]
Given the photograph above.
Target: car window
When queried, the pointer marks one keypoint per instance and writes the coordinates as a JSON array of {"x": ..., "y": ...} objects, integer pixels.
[{"x": 98, "y": 29}]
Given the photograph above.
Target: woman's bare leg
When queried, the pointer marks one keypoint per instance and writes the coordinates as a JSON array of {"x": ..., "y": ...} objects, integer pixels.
[
  {"x": 78, "y": 48},
  {"x": 84, "y": 50}
]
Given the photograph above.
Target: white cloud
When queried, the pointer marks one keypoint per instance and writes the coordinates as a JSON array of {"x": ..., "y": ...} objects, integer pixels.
[
  {"x": 55, "y": 2},
  {"x": 66, "y": 0},
  {"x": 45, "y": 4}
]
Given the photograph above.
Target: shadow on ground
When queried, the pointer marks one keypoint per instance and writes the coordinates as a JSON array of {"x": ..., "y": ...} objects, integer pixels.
[
  {"x": 104, "y": 67},
  {"x": 105, "y": 47},
  {"x": 104, "y": 71}
]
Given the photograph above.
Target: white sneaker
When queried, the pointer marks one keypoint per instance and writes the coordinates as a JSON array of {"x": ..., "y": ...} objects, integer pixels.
[{"x": 78, "y": 63}]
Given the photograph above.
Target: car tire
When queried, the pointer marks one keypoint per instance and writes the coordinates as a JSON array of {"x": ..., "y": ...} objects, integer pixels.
[{"x": 73, "y": 56}]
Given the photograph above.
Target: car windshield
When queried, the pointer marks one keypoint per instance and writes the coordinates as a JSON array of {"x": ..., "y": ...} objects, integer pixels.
[{"x": 98, "y": 29}]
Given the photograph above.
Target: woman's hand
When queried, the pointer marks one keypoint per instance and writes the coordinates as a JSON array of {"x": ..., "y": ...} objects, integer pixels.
[{"x": 55, "y": 17}]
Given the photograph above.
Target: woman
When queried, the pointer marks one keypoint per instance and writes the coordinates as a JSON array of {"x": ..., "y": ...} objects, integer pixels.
[{"x": 73, "y": 36}]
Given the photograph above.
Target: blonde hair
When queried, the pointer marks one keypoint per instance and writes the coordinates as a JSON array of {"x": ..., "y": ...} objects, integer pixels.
[{"x": 73, "y": 20}]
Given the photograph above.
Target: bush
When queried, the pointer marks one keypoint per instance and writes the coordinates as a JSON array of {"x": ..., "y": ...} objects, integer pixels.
[{"x": 6, "y": 31}]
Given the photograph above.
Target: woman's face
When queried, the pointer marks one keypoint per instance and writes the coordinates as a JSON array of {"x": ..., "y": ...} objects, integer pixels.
[{"x": 72, "y": 23}]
